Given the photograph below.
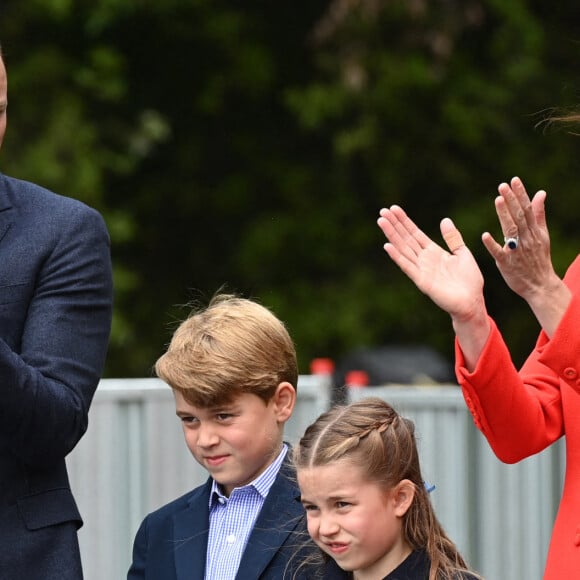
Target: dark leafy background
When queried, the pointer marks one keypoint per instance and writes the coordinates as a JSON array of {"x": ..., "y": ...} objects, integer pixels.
[{"x": 249, "y": 146}]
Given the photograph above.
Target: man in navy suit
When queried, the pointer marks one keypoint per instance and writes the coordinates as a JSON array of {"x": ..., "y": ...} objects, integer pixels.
[
  {"x": 55, "y": 317},
  {"x": 232, "y": 367}
]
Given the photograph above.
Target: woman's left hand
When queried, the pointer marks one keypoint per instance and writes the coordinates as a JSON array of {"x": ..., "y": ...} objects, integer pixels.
[{"x": 527, "y": 269}]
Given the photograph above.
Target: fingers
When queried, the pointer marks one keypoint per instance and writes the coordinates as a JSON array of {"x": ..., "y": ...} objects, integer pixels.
[
  {"x": 451, "y": 235},
  {"x": 492, "y": 246},
  {"x": 453, "y": 240},
  {"x": 539, "y": 208},
  {"x": 514, "y": 208},
  {"x": 401, "y": 231},
  {"x": 520, "y": 217},
  {"x": 508, "y": 225},
  {"x": 407, "y": 240}
]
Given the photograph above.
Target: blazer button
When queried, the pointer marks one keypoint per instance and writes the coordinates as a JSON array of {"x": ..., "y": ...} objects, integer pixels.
[
  {"x": 570, "y": 373},
  {"x": 577, "y": 539}
]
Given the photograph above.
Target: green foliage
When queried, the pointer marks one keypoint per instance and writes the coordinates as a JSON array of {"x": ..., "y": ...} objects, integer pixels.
[{"x": 253, "y": 145}]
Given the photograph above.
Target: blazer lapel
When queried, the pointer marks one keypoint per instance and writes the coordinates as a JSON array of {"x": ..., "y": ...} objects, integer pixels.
[
  {"x": 6, "y": 217},
  {"x": 279, "y": 516},
  {"x": 190, "y": 533}
]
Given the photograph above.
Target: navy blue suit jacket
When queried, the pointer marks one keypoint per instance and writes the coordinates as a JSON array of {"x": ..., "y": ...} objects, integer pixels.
[
  {"x": 171, "y": 543},
  {"x": 55, "y": 316}
]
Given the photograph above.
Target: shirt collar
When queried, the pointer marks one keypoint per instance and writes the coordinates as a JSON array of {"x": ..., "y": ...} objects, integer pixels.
[{"x": 261, "y": 484}]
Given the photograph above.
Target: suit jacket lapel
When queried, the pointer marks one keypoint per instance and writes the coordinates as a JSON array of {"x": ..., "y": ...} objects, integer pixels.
[
  {"x": 279, "y": 516},
  {"x": 6, "y": 217},
  {"x": 190, "y": 533}
]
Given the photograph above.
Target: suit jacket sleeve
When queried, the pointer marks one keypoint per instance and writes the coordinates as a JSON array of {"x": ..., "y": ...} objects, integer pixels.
[
  {"x": 52, "y": 356},
  {"x": 520, "y": 412},
  {"x": 138, "y": 565}
]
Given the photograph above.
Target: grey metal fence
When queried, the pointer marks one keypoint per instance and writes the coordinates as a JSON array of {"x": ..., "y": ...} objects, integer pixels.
[{"x": 133, "y": 459}]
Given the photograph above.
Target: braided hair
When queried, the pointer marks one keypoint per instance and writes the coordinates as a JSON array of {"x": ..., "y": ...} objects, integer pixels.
[{"x": 379, "y": 441}]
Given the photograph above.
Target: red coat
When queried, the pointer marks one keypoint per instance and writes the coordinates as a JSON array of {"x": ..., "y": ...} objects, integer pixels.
[{"x": 521, "y": 413}]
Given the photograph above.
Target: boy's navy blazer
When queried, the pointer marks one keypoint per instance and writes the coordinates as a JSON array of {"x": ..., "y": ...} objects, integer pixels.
[
  {"x": 171, "y": 543},
  {"x": 55, "y": 316}
]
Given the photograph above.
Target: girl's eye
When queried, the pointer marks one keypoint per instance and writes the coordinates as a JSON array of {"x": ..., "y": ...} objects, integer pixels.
[
  {"x": 342, "y": 504},
  {"x": 309, "y": 507},
  {"x": 224, "y": 416}
]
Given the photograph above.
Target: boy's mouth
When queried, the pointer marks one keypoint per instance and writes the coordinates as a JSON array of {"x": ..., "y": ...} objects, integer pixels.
[{"x": 215, "y": 460}]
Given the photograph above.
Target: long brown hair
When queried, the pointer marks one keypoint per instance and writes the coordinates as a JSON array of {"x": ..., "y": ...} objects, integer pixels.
[{"x": 372, "y": 435}]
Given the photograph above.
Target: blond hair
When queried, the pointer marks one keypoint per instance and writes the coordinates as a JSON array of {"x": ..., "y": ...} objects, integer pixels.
[
  {"x": 374, "y": 437},
  {"x": 232, "y": 346}
]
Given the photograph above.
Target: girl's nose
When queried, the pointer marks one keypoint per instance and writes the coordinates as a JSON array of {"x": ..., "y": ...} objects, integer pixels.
[{"x": 328, "y": 525}]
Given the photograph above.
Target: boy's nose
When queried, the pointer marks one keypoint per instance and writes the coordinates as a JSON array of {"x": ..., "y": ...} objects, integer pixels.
[{"x": 206, "y": 436}]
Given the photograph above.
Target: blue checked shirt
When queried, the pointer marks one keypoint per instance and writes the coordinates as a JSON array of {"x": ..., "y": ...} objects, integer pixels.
[{"x": 231, "y": 520}]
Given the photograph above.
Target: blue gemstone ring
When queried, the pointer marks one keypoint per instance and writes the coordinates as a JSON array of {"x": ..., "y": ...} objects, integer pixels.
[{"x": 512, "y": 243}]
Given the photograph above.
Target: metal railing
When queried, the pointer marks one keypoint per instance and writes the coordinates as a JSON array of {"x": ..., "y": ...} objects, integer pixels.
[{"x": 133, "y": 459}]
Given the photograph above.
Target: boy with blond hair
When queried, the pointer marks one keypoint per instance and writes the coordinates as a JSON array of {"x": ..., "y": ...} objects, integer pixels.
[{"x": 233, "y": 371}]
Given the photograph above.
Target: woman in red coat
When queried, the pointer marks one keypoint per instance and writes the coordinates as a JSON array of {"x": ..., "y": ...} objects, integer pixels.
[{"x": 519, "y": 412}]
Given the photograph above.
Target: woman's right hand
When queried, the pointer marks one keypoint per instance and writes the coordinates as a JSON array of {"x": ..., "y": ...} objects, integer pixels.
[{"x": 452, "y": 279}]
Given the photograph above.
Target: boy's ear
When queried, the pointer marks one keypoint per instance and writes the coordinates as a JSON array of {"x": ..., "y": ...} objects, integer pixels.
[
  {"x": 402, "y": 496},
  {"x": 284, "y": 400}
]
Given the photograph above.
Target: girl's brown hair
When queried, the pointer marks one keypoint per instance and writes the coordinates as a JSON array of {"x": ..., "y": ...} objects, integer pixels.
[{"x": 374, "y": 437}]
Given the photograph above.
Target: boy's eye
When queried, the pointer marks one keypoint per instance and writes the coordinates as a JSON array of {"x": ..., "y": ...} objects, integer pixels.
[
  {"x": 342, "y": 504},
  {"x": 224, "y": 416},
  {"x": 188, "y": 419}
]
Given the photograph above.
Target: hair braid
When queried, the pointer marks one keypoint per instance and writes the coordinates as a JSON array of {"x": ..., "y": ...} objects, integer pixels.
[{"x": 374, "y": 437}]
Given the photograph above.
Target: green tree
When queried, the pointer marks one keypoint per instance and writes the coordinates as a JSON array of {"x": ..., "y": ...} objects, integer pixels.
[{"x": 252, "y": 145}]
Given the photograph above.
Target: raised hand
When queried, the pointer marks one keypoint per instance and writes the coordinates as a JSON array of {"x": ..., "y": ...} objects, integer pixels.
[
  {"x": 452, "y": 279},
  {"x": 527, "y": 268}
]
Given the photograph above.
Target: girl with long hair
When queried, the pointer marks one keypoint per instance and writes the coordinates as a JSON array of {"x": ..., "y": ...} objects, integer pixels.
[{"x": 366, "y": 502}]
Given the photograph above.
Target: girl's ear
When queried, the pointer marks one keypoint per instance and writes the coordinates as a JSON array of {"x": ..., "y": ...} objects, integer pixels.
[{"x": 403, "y": 494}]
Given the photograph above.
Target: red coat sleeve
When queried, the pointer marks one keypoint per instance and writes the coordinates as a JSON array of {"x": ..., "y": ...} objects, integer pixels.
[{"x": 521, "y": 412}]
